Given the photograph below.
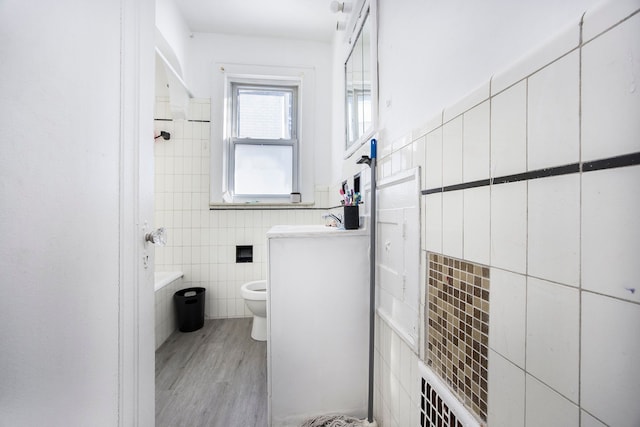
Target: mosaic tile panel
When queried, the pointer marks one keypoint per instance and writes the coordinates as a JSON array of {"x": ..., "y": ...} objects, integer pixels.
[{"x": 457, "y": 323}]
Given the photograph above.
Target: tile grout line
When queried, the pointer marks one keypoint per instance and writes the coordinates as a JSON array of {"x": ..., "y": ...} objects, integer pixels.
[
  {"x": 490, "y": 190},
  {"x": 526, "y": 268},
  {"x": 464, "y": 199},
  {"x": 581, "y": 175}
]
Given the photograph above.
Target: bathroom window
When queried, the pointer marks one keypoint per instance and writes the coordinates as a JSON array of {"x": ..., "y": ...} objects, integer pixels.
[{"x": 262, "y": 162}]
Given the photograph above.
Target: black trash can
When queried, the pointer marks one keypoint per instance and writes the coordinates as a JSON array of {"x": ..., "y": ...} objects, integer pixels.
[{"x": 190, "y": 308}]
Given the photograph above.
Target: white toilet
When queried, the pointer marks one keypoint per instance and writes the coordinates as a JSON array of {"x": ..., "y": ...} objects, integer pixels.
[{"x": 255, "y": 295}]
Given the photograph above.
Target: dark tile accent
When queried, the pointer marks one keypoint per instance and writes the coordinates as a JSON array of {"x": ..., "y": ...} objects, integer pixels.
[
  {"x": 465, "y": 185},
  {"x": 612, "y": 162},
  {"x": 608, "y": 163},
  {"x": 540, "y": 173},
  {"x": 195, "y": 121}
]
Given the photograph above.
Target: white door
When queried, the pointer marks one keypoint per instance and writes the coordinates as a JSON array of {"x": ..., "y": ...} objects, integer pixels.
[
  {"x": 76, "y": 342},
  {"x": 137, "y": 332}
]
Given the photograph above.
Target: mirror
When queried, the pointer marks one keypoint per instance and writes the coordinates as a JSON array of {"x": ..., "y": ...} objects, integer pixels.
[{"x": 359, "y": 94}]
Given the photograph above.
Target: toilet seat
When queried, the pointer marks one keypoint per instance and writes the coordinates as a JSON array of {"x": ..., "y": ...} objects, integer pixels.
[{"x": 255, "y": 291}]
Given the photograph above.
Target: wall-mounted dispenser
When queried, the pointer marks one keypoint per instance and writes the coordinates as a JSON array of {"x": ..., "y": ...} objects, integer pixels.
[{"x": 244, "y": 254}]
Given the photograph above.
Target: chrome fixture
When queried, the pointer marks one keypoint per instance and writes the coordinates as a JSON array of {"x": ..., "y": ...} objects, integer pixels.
[
  {"x": 336, "y": 218},
  {"x": 157, "y": 237},
  {"x": 338, "y": 6}
]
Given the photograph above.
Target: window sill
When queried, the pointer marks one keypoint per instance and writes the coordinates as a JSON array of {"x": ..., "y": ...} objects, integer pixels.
[{"x": 262, "y": 205}]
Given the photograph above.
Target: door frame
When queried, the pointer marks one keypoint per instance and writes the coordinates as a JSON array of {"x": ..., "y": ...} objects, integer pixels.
[{"x": 136, "y": 353}]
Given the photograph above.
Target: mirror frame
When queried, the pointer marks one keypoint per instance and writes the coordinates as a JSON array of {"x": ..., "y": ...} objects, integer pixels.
[{"x": 365, "y": 11}]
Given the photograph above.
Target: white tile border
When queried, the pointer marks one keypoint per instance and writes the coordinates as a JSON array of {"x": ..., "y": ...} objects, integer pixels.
[
  {"x": 474, "y": 98},
  {"x": 562, "y": 43},
  {"x": 605, "y": 15},
  {"x": 429, "y": 126}
]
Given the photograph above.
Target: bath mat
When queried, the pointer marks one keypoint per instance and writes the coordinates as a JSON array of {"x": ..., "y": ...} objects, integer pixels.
[{"x": 335, "y": 421}]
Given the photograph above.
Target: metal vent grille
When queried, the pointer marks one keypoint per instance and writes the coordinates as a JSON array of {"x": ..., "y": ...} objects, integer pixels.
[{"x": 438, "y": 406}]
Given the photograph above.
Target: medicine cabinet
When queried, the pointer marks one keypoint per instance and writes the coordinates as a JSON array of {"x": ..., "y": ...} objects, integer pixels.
[{"x": 360, "y": 71}]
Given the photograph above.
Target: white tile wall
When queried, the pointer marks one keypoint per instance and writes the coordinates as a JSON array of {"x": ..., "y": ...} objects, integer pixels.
[
  {"x": 562, "y": 42},
  {"x": 201, "y": 243},
  {"x": 162, "y": 109},
  {"x": 509, "y": 131},
  {"x": 165, "y": 317},
  {"x": 452, "y": 152},
  {"x": 610, "y": 92},
  {"x": 610, "y": 232},
  {"x": 553, "y": 120},
  {"x": 587, "y": 420},
  {"x": 509, "y": 226},
  {"x": 467, "y": 103},
  {"x": 545, "y": 407},
  {"x": 433, "y": 159},
  {"x": 433, "y": 222},
  {"x": 432, "y": 124},
  {"x": 384, "y": 167},
  {"x": 507, "y": 313},
  {"x": 475, "y": 141},
  {"x": 405, "y": 159},
  {"x": 452, "y": 223},
  {"x": 553, "y": 335},
  {"x": 610, "y": 371},
  {"x": 564, "y": 293},
  {"x": 606, "y": 15},
  {"x": 397, "y": 379},
  {"x": 476, "y": 224},
  {"x": 417, "y": 157},
  {"x": 506, "y": 392},
  {"x": 554, "y": 228}
]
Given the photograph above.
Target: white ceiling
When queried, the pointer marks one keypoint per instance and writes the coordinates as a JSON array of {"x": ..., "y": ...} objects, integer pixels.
[{"x": 297, "y": 19}]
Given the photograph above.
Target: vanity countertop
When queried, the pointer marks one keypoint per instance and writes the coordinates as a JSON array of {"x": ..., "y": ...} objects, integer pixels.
[{"x": 312, "y": 230}]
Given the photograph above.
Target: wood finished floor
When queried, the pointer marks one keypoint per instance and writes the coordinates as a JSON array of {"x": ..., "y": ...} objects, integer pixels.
[{"x": 214, "y": 377}]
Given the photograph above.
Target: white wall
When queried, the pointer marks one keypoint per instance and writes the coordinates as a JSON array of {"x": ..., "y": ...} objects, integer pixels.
[
  {"x": 172, "y": 34},
  {"x": 432, "y": 53},
  {"x": 208, "y": 51},
  {"x": 60, "y": 184}
]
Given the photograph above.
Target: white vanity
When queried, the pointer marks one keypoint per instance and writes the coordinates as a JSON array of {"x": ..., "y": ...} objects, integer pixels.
[{"x": 318, "y": 321}]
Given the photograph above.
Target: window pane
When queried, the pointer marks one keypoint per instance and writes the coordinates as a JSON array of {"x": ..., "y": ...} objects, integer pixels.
[
  {"x": 264, "y": 113},
  {"x": 263, "y": 169},
  {"x": 364, "y": 111}
]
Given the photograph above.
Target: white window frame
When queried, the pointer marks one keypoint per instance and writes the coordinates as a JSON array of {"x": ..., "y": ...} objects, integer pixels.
[
  {"x": 232, "y": 139},
  {"x": 233, "y": 81},
  {"x": 305, "y": 78}
]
